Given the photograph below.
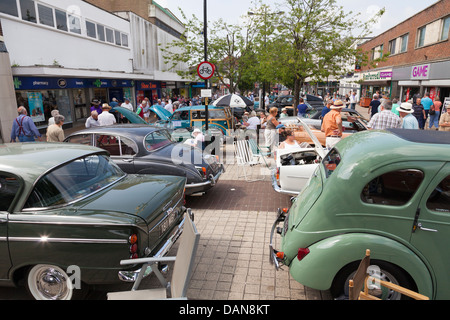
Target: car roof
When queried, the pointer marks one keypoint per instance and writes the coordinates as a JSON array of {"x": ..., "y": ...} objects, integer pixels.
[
  {"x": 123, "y": 129},
  {"x": 30, "y": 160},
  {"x": 373, "y": 148}
]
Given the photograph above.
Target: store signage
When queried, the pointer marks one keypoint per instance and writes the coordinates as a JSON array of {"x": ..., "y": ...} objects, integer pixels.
[
  {"x": 420, "y": 72},
  {"x": 42, "y": 83},
  {"x": 380, "y": 75},
  {"x": 148, "y": 85}
]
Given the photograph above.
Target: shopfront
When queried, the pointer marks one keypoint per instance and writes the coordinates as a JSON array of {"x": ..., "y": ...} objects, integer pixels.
[
  {"x": 432, "y": 78},
  {"x": 373, "y": 82},
  {"x": 148, "y": 89},
  {"x": 71, "y": 96}
]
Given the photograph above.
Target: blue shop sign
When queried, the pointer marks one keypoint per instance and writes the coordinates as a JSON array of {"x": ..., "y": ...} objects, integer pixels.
[{"x": 44, "y": 83}]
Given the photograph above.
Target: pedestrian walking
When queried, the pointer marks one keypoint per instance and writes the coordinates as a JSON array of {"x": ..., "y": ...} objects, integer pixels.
[
  {"x": 444, "y": 122},
  {"x": 427, "y": 103},
  {"x": 92, "y": 121},
  {"x": 24, "y": 128},
  {"x": 126, "y": 104},
  {"x": 332, "y": 125},
  {"x": 95, "y": 105},
  {"x": 301, "y": 108},
  {"x": 270, "y": 132},
  {"x": 435, "y": 112},
  {"x": 408, "y": 120},
  {"x": 106, "y": 118},
  {"x": 353, "y": 100},
  {"x": 55, "y": 132},
  {"x": 385, "y": 119},
  {"x": 54, "y": 113},
  {"x": 419, "y": 113},
  {"x": 373, "y": 106}
]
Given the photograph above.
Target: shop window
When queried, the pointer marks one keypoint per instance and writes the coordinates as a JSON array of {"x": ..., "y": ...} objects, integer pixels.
[
  {"x": 109, "y": 35},
  {"x": 439, "y": 199},
  {"x": 75, "y": 25},
  {"x": 100, "y": 32},
  {"x": 28, "y": 10},
  {"x": 117, "y": 36},
  {"x": 61, "y": 20},
  {"x": 90, "y": 29},
  {"x": 394, "y": 188},
  {"x": 9, "y": 187},
  {"x": 9, "y": 7},
  {"x": 445, "y": 28},
  {"x": 46, "y": 15}
]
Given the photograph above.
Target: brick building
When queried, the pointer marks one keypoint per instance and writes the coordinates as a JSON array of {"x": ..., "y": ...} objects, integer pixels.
[{"x": 419, "y": 56}]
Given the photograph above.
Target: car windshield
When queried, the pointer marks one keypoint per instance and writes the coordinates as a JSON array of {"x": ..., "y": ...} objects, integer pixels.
[
  {"x": 157, "y": 139},
  {"x": 73, "y": 181},
  {"x": 331, "y": 161}
]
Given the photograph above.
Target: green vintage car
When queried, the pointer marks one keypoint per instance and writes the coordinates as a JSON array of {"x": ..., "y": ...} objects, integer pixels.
[
  {"x": 68, "y": 215},
  {"x": 387, "y": 191}
]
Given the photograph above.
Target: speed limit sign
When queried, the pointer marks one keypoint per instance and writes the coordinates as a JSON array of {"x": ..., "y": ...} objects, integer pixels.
[{"x": 205, "y": 70}]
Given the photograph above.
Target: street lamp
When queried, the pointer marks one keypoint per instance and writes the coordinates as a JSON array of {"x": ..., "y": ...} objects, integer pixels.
[{"x": 251, "y": 13}]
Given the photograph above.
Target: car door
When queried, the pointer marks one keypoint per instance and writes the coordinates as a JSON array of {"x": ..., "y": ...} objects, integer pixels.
[
  {"x": 9, "y": 191},
  {"x": 121, "y": 149},
  {"x": 431, "y": 229}
]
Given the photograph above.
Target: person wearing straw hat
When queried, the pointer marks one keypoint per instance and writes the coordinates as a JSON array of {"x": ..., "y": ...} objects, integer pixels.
[
  {"x": 409, "y": 121},
  {"x": 332, "y": 124},
  {"x": 106, "y": 118}
]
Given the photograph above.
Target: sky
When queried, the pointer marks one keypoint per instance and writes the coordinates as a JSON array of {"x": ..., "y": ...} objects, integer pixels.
[{"x": 232, "y": 10}]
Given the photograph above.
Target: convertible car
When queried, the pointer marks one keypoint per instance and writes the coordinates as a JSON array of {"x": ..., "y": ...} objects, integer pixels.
[
  {"x": 64, "y": 224},
  {"x": 351, "y": 124},
  {"x": 147, "y": 149},
  {"x": 294, "y": 167}
]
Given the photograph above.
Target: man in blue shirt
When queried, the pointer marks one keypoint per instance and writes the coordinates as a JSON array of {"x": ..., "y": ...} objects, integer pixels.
[
  {"x": 301, "y": 108},
  {"x": 427, "y": 103},
  {"x": 24, "y": 127},
  {"x": 409, "y": 121}
]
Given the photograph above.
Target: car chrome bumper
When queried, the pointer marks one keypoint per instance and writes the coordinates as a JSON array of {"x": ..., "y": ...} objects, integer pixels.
[
  {"x": 131, "y": 276},
  {"x": 277, "y": 188},
  {"x": 281, "y": 217},
  {"x": 205, "y": 185}
]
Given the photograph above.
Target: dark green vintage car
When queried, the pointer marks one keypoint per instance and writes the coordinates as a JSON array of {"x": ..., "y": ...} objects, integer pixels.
[
  {"x": 68, "y": 215},
  {"x": 387, "y": 191}
]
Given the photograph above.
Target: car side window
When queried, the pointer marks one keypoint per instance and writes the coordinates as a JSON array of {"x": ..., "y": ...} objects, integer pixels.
[
  {"x": 85, "y": 139},
  {"x": 393, "y": 188},
  {"x": 182, "y": 115},
  {"x": 9, "y": 187},
  {"x": 439, "y": 199},
  {"x": 116, "y": 146}
]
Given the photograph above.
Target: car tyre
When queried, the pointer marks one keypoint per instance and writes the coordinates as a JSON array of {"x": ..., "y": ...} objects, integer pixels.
[
  {"x": 389, "y": 272},
  {"x": 49, "y": 282}
]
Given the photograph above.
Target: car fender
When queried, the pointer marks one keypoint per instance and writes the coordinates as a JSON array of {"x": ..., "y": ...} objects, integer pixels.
[{"x": 326, "y": 258}]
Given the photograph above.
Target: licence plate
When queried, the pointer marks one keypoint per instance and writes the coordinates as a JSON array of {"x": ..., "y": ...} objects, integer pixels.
[{"x": 168, "y": 221}]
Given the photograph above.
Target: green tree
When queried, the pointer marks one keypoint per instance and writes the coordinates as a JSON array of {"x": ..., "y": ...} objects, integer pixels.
[
  {"x": 312, "y": 39},
  {"x": 229, "y": 49}
]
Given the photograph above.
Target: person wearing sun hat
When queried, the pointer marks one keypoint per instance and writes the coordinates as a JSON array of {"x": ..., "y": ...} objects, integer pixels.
[
  {"x": 332, "y": 124},
  {"x": 408, "y": 120},
  {"x": 106, "y": 118}
]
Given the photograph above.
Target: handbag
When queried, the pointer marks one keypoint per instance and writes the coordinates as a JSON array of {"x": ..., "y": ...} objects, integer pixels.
[{"x": 431, "y": 112}]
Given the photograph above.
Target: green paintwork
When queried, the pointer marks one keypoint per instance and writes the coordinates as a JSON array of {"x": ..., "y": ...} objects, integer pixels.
[
  {"x": 91, "y": 233},
  {"x": 330, "y": 219}
]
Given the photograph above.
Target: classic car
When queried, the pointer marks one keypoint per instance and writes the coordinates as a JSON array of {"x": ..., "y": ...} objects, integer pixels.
[
  {"x": 350, "y": 125},
  {"x": 288, "y": 102},
  {"x": 295, "y": 166},
  {"x": 386, "y": 191},
  {"x": 145, "y": 149},
  {"x": 69, "y": 215}
]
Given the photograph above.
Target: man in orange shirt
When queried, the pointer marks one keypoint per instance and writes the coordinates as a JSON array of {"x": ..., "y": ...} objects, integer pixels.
[{"x": 332, "y": 125}]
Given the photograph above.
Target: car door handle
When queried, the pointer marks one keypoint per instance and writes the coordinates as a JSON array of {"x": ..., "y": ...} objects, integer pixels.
[
  {"x": 419, "y": 225},
  {"x": 127, "y": 160}
]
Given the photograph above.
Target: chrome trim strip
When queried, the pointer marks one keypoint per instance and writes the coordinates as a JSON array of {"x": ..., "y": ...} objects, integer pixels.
[{"x": 67, "y": 240}]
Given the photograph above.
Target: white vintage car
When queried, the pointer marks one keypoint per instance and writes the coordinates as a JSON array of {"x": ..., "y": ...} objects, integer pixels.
[{"x": 295, "y": 166}]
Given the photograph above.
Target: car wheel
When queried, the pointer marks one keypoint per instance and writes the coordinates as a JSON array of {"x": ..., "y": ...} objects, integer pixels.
[
  {"x": 48, "y": 282},
  {"x": 384, "y": 271}
]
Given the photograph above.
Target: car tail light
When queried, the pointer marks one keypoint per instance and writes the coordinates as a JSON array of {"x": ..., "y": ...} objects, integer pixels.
[
  {"x": 302, "y": 252},
  {"x": 133, "y": 239},
  {"x": 204, "y": 170},
  {"x": 278, "y": 173},
  {"x": 280, "y": 255}
]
